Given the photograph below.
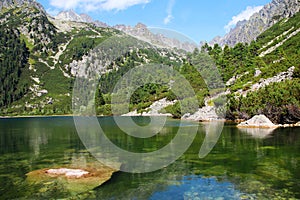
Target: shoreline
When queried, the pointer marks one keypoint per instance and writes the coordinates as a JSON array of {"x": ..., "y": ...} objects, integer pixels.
[
  {"x": 33, "y": 116},
  {"x": 233, "y": 122}
]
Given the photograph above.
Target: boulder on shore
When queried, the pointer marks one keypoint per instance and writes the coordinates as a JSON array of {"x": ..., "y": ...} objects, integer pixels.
[{"x": 258, "y": 121}]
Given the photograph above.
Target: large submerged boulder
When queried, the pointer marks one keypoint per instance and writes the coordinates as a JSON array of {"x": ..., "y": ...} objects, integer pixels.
[
  {"x": 70, "y": 179},
  {"x": 258, "y": 121}
]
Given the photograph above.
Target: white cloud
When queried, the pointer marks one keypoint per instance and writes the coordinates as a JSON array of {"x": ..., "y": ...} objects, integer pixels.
[
  {"x": 244, "y": 15},
  {"x": 92, "y": 5},
  {"x": 169, "y": 17}
]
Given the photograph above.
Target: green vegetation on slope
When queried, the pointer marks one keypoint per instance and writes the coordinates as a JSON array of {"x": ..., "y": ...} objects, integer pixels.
[
  {"x": 13, "y": 61},
  {"x": 278, "y": 101}
]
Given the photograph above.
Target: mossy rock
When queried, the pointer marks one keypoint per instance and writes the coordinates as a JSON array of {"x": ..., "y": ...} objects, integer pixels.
[{"x": 89, "y": 177}]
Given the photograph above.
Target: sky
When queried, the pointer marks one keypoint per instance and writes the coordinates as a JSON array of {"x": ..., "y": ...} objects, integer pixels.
[{"x": 196, "y": 19}]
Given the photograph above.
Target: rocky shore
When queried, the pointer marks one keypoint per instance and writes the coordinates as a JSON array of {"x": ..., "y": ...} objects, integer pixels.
[
  {"x": 261, "y": 121},
  {"x": 207, "y": 113}
]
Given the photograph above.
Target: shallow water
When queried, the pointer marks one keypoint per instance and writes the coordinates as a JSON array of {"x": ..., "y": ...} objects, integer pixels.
[{"x": 240, "y": 166}]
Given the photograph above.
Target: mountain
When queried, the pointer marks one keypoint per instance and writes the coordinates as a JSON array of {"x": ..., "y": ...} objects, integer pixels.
[
  {"x": 71, "y": 15},
  {"x": 142, "y": 32},
  {"x": 248, "y": 30},
  {"x": 139, "y": 31},
  {"x": 41, "y": 56}
]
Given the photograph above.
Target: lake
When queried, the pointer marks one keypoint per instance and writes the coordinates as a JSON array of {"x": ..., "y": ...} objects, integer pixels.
[{"x": 244, "y": 164}]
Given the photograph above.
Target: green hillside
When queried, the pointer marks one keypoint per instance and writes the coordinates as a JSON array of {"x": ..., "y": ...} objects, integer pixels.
[{"x": 280, "y": 101}]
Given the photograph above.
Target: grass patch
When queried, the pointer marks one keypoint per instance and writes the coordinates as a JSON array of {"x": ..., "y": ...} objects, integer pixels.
[{"x": 29, "y": 45}]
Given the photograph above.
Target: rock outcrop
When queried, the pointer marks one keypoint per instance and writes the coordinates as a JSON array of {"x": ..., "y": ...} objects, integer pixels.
[
  {"x": 282, "y": 76},
  {"x": 154, "y": 109},
  {"x": 207, "y": 113},
  {"x": 247, "y": 31},
  {"x": 258, "y": 121}
]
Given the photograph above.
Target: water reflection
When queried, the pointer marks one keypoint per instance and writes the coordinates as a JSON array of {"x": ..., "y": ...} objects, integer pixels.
[
  {"x": 213, "y": 131},
  {"x": 258, "y": 132},
  {"x": 37, "y": 137}
]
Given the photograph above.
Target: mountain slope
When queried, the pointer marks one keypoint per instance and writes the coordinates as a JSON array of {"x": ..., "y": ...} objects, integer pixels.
[
  {"x": 247, "y": 31},
  {"x": 263, "y": 77},
  {"x": 55, "y": 47}
]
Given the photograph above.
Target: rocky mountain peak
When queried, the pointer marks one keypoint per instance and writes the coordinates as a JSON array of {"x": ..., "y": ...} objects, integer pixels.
[
  {"x": 247, "y": 31},
  {"x": 86, "y": 18},
  {"x": 142, "y": 32},
  {"x": 71, "y": 15},
  {"x": 140, "y": 26}
]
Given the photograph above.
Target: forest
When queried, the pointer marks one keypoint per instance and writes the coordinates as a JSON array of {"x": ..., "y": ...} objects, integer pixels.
[{"x": 13, "y": 62}]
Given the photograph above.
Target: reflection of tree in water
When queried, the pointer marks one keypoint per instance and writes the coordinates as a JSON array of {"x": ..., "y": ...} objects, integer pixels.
[{"x": 37, "y": 138}]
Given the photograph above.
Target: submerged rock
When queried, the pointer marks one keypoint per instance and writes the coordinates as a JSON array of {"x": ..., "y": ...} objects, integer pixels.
[
  {"x": 258, "y": 121},
  {"x": 69, "y": 173},
  {"x": 72, "y": 180}
]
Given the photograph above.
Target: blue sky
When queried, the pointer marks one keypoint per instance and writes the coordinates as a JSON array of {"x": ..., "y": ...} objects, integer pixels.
[{"x": 197, "y": 19}]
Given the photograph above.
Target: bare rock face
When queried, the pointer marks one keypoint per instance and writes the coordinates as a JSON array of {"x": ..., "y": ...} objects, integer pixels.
[
  {"x": 154, "y": 109},
  {"x": 207, "y": 113},
  {"x": 71, "y": 15},
  {"x": 258, "y": 121},
  {"x": 247, "y": 31}
]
